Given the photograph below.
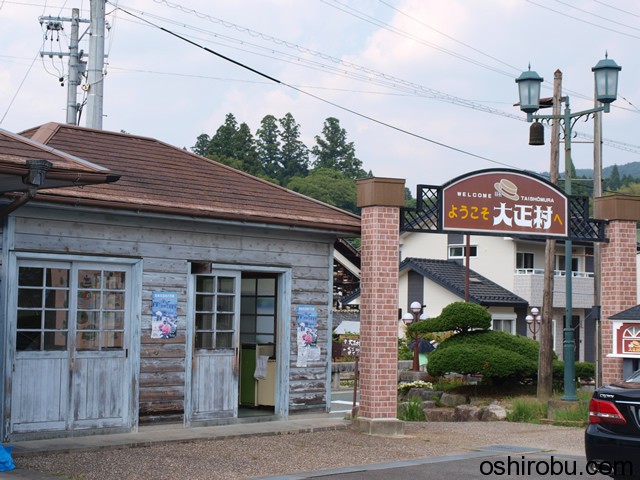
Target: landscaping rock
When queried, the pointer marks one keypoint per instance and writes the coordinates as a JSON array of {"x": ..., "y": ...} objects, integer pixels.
[
  {"x": 428, "y": 404},
  {"x": 452, "y": 399},
  {"x": 467, "y": 413},
  {"x": 423, "y": 393},
  {"x": 492, "y": 413},
  {"x": 439, "y": 414}
]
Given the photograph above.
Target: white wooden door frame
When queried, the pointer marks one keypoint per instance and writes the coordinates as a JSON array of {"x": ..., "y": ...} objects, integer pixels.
[{"x": 281, "y": 407}]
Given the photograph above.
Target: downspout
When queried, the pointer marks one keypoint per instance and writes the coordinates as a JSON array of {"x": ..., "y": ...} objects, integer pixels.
[{"x": 35, "y": 177}]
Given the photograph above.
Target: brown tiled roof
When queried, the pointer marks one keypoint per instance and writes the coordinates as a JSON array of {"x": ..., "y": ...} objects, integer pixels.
[
  {"x": 158, "y": 177},
  {"x": 16, "y": 151}
]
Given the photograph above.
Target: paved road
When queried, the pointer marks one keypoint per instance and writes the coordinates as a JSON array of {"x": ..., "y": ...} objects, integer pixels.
[
  {"x": 342, "y": 402},
  {"x": 476, "y": 465}
]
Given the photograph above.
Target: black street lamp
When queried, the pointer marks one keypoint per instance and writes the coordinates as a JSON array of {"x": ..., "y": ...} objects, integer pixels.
[
  {"x": 533, "y": 321},
  {"x": 606, "y": 82},
  {"x": 413, "y": 317}
]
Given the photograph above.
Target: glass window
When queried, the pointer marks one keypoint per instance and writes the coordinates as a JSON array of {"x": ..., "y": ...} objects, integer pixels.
[
  {"x": 458, "y": 251},
  {"x": 259, "y": 306},
  {"x": 101, "y": 310},
  {"x": 524, "y": 260},
  {"x": 215, "y": 312},
  {"x": 43, "y": 308}
]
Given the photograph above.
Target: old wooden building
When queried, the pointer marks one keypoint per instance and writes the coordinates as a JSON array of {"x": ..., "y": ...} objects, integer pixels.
[{"x": 185, "y": 291}]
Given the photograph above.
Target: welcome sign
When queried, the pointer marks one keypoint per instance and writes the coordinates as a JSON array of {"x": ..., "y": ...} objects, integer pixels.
[{"x": 504, "y": 202}]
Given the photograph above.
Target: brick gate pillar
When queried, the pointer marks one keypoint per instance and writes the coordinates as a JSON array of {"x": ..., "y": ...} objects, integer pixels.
[
  {"x": 380, "y": 200},
  {"x": 618, "y": 272}
]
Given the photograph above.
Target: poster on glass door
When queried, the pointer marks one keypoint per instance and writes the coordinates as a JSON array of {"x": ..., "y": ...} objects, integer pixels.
[{"x": 164, "y": 306}]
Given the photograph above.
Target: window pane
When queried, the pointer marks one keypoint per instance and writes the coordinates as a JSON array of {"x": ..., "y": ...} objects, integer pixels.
[
  {"x": 30, "y": 276},
  {"x": 29, "y": 298},
  {"x": 204, "y": 321},
  {"x": 265, "y": 324},
  {"x": 266, "y": 305},
  {"x": 88, "y": 320},
  {"x": 111, "y": 340},
  {"x": 248, "y": 286},
  {"x": 55, "y": 340},
  {"x": 58, "y": 277},
  {"x": 247, "y": 324},
  {"x": 114, "y": 280},
  {"x": 204, "y": 303},
  {"x": 204, "y": 284},
  {"x": 225, "y": 284},
  {"x": 225, "y": 304},
  {"x": 224, "y": 340},
  {"x": 87, "y": 341},
  {"x": 266, "y": 286},
  {"x": 113, "y": 301},
  {"x": 28, "y": 340},
  {"x": 204, "y": 340},
  {"x": 89, "y": 279},
  {"x": 55, "y": 319},
  {"x": 113, "y": 321},
  {"x": 29, "y": 319},
  {"x": 225, "y": 321},
  {"x": 88, "y": 300},
  {"x": 56, "y": 299},
  {"x": 248, "y": 305}
]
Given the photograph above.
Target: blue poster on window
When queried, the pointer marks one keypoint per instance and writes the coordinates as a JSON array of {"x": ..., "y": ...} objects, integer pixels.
[
  {"x": 307, "y": 335},
  {"x": 164, "y": 307}
]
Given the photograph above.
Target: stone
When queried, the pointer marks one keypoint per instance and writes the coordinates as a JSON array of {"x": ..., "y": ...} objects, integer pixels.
[
  {"x": 439, "y": 414},
  {"x": 423, "y": 393},
  {"x": 428, "y": 404},
  {"x": 492, "y": 413},
  {"x": 452, "y": 399},
  {"x": 376, "y": 426},
  {"x": 467, "y": 413}
]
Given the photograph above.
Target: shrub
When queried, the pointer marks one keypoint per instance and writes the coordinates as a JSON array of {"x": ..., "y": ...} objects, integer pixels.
[
  {"x": 457, "y": 317},
  {"x": 497, "y": 356}
]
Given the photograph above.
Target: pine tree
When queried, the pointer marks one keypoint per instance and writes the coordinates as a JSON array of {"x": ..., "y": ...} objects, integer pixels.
[{"x": 334, "y": 152}]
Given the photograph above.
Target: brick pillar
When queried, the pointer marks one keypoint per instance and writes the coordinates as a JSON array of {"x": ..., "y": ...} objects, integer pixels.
[
  {"x": 618, "y": 273},
  {"x": 380, "y": 199}
]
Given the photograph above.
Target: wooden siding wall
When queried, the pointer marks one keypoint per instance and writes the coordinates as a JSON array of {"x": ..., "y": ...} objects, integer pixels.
[{"x": 166, "y": 248}]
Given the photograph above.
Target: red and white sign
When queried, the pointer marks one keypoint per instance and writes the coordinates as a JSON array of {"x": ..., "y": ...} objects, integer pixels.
[{"x": 505, "y": 202}]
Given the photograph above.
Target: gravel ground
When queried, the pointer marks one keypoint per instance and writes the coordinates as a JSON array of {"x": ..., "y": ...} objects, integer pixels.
[{"x": 249, "y": 457}]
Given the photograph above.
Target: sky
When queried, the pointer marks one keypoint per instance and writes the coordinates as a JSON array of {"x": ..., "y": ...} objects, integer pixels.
[{"x": 425, "y": 89}]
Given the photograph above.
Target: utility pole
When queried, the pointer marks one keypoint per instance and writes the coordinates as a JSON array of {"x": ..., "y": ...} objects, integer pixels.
[
  {"x": 597, "y": 264},
  {"x": 95, "y": 70},
  {"x": 76, "y": 65},
  {"x": 545, "y": 359},
  {"x": 74, "y": 69}
]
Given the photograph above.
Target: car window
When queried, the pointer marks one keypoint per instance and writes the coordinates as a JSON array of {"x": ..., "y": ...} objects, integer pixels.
[{"x": 634, "y": 378}]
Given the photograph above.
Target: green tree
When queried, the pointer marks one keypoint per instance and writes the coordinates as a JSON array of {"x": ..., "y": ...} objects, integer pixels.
[
  {"x": 222, "y": 143},
  {"x": 328, "y": 186},
  {"x": 614, "y": 182},
  {"x": 332, "y": 151},
  {"x": 202, "y": 144},
  {"x": 294, "y": 154},
  {"x": 268, "y": 146},
  {"x": 245, "y": 150}
]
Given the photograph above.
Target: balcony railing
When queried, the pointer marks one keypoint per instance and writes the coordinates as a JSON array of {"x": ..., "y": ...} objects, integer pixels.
[{"x": 557, "y": 273}]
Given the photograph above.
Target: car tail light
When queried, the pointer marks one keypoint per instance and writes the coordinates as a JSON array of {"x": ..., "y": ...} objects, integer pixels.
[{"x": 603, "y": 411}]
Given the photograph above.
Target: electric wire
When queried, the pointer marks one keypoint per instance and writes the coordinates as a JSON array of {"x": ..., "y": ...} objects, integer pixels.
[
  {"x": 19, "y": 88},
  {"x": 275, "y": 80}
]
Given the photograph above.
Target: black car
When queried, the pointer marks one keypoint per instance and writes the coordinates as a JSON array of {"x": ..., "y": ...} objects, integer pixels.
[{"x": 612, "y": 438}]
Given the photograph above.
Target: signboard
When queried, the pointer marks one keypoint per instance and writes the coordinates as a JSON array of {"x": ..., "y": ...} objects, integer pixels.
[
  {"x": 627, "y": 338},
  {"x": 504, "y": 202}
]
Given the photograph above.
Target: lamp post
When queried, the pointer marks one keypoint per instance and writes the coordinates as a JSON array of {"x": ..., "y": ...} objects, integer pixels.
[
  {"x": 413, "y": 317},
  {"x": 533, "y": 321},
  {"x": 606, "y": 86}
]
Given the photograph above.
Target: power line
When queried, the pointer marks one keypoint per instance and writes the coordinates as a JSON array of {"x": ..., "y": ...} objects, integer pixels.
[
  {"x": 275, "y": 80},
  {"x": 19, "y": 87}
]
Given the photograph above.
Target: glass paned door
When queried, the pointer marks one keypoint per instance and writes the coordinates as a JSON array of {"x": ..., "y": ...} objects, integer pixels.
[
  {"x": 214, "y": 376},
  {"x": 69, "y": 323}
]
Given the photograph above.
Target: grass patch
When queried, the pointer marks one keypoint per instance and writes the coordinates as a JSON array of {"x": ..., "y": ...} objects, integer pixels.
[
  {"x": 527, "y": 410},
  {"x": 411, "y": 411}
]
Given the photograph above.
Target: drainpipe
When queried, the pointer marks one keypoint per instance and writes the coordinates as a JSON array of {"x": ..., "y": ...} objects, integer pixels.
[{"x": 34, "y": 178}]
